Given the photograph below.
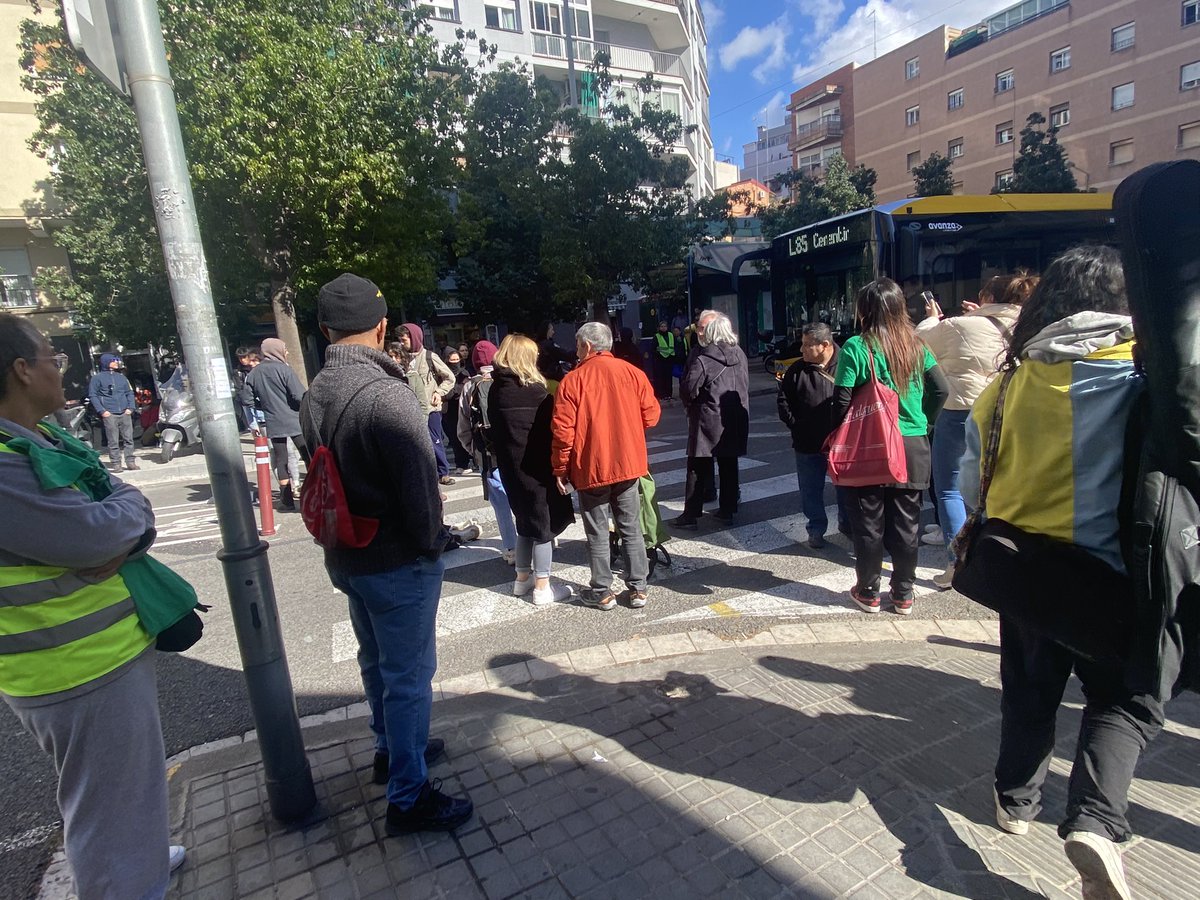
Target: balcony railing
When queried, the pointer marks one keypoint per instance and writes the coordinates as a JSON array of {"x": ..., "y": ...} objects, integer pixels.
[
  {"x": 17, "y": 292},
  {"x": 631, "y": 59},
  {"x": 815, "y": 132},
  {"x": 825, "y": 92}
]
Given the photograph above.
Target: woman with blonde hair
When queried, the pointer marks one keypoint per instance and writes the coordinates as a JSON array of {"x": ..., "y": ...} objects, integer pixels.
[
  {"x": 969, "y": 349},
  {"x": 520, "y": 410}
]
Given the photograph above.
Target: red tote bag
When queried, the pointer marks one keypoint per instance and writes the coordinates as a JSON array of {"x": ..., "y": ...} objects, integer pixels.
[{"x": 867, "y": 448}]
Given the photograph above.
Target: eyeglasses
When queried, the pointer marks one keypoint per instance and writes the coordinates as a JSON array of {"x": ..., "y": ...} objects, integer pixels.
[{"x": 60, "y": 360}]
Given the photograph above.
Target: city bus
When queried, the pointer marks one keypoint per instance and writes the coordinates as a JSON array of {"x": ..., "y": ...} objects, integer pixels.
[{"x": 947, "y": 245}]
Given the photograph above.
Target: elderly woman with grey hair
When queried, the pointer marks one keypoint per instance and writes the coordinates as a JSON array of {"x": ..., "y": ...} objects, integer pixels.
[{"x": 715, "y": 389}]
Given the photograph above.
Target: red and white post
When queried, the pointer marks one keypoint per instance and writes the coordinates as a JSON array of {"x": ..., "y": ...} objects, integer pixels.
[{"x": 266, "y": 503}]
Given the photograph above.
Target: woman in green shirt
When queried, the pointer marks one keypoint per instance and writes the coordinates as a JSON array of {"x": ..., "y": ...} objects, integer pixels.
[{"x": 888, "y": 516}]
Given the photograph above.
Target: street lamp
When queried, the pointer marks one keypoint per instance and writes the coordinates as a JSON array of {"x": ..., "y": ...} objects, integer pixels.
[{"x": 1087, "y": 177}]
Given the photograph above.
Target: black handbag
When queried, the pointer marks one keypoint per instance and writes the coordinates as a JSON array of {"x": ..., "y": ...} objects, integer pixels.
[{"x": 1049, "y": 586}]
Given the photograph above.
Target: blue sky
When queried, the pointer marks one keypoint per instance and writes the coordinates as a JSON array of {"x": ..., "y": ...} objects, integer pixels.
[{"x": 759, "y": 51}]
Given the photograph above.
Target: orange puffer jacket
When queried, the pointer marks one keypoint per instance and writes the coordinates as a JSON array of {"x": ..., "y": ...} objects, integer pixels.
[{"x": 601, "y": 412}]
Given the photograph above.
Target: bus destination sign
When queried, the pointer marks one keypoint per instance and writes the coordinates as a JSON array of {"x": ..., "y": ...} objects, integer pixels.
[{"x": 827, "y": 237}]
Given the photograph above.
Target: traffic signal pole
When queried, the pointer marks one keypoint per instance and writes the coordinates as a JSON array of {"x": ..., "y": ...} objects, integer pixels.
[{"x": 244, "y": 555}]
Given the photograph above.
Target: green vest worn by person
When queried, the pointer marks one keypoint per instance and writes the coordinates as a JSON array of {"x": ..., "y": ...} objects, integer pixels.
[
  {"x": 60, "y": 630},
  {"x": 666, "y": 348}
]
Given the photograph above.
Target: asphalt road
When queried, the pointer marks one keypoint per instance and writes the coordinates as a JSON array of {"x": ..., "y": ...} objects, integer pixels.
[{"x": 735, "y": 579}]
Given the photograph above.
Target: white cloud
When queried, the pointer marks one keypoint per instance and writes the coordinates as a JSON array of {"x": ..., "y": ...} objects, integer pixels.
[
  {"x": 768, "y": 45},
  {"x": 773, "y": 111},
  {"x": 714, "y": 15},
  {"x": 824, "y": 14},
  {"x": 894, "y": 23}
]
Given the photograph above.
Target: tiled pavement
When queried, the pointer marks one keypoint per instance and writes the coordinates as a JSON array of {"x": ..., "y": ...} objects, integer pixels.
[{"x": 788, "y": 765}]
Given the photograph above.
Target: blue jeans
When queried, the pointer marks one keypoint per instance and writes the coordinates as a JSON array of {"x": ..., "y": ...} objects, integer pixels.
[
  {"x": 393, "y": 614},
  {"x": 949, "y": 445},
  {"x": 503, "y": 512},
  {"x": 810, "y": 473}
]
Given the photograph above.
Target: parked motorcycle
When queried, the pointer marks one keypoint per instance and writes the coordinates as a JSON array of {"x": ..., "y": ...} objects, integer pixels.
[
  {"x": 75, "y": 420},
  {"x": 178, "y": 418}
]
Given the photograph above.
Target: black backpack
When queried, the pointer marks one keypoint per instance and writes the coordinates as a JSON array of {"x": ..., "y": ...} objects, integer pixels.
[
  {"x": 481, "y": 423},
  {"x": 1157, "y": 214}
]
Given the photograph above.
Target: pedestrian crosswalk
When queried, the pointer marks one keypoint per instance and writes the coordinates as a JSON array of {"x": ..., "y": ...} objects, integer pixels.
[{"x": 478, "y": 586}]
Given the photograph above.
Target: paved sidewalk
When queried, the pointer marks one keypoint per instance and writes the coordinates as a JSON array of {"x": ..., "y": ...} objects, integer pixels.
[{"x": 845, "y": 760}]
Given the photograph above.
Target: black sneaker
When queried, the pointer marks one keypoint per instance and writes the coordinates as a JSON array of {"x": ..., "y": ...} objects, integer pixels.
[
  {"x": 287, "y": 500},
  {"x": 433, "y": 811},
  {"x": 433, "y": 750},
  {"x": 817, "y": 542},
  {"x": 685, "y": 522},
  {"x": 726, "y": 517}
]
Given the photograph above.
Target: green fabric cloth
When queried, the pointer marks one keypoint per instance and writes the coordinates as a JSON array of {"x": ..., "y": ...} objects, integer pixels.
[
  {"x": 652, "y": 524},
  {"x": 854, "y": 369},
  {"x": 161, "y": 596}
]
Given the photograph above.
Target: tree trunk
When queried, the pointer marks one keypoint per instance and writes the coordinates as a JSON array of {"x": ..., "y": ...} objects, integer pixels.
[
  {"x": 600, "y": 309},
  {"x": 285, "y": 326}
]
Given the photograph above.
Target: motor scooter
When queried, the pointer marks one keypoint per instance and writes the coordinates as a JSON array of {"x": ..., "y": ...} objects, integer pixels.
[
  {"x": 178, "y": 418},
  {"x": 75, "y": 420}
]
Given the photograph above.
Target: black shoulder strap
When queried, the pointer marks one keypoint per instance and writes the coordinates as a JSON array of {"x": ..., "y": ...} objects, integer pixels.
[
  {"x": 1005, "y": 331},
  {"x": 341, "y": 415}
]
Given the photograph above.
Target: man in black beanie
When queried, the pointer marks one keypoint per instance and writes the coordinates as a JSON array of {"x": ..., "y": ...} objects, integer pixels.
[{"x": 359, "y": 404}]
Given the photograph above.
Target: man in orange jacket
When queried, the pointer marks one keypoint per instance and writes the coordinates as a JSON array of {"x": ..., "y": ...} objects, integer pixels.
[{"x": 601, "y": 412}]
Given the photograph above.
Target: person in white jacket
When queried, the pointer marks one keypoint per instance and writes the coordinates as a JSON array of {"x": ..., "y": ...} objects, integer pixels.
[{"x": 969, "y": 349}]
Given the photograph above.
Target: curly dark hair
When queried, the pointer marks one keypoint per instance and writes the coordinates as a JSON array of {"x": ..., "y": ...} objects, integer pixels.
[{"x": 1087, "y": 278}]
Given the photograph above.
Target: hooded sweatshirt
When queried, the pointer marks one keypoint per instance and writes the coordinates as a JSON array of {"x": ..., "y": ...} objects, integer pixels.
[
  {"x": 273, "y": 387},
  {"x": 110, "y": 392},
  {"x": 1062, "y": 439},
  {"x": 716, "y": 390},
  {"x": 429, "y": 367}
]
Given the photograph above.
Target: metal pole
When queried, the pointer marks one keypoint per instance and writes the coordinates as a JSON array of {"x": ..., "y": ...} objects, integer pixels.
[
  {"x": 569, "y": 28},
  {"x": 247, "y": 574}
]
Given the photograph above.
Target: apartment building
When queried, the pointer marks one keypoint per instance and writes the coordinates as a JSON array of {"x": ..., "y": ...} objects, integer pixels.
[
  {"x": 768, "y": 155},
  {"x": 1120, "y": 78},
  {"x": 823, "y": 121},
  {"x": 665, "y": 37},
  {"x": 26, "y": 212}
]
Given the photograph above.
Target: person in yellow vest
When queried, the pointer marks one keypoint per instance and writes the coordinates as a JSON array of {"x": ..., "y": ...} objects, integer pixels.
[
  {"x": 76, "y": 663},
  {"x": 664, "y": 362}
]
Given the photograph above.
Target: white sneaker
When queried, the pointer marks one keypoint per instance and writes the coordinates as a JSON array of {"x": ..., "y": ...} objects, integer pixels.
[
  {"x": 933, "y": 538},
  {"x": 1098, "y": 863},
  {"x": 551, "y": 593},
  {"x": 1006, "y": 821},
  {"x": 509, "y": 556},
  {"x": 521, "y": 588},
  {"x": 933, "y": 529},
  {"x": 467, "y": 531},
  {"x": 946, "y": 580},
  {"x": 176, "y": 856}
]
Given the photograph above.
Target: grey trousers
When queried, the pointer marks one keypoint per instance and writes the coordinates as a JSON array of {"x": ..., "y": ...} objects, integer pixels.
[
  {"x": 286, "y": 459},
  {"x": 626, "y": 506},
  {"x": 107, "y": 747},
  {"x": 118, "y": 430}
]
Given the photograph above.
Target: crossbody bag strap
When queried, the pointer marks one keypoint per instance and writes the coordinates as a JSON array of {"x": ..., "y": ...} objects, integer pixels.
[
  {"x": 992, "y": 449},
  {"x": 341, "y": 415}
]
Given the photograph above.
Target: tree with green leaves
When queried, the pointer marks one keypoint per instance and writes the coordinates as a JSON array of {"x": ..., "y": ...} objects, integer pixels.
[
  {"x": 619, "y": 206},
  {"x": 934, "y": 177},
  {"x": 321, "y": 137},
  {"x": 839, "y": 190},
  {"x": 509, "y": 142},
  {"x": 1041, "y": 166}
]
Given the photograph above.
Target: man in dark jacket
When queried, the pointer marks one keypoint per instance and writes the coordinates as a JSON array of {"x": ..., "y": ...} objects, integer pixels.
[
  {"x": 274, "y": 388},
  {"x": 715, "y": 388},
  {"x": 361, "y": 408},
  {"x": 806, "y": 407},
  {"x": 111, "y": 396}
]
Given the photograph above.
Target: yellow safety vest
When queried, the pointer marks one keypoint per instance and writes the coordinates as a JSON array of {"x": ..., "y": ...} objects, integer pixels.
[
  {"x": 59, "y": 631},
  {"x": 666, "y": 349}
]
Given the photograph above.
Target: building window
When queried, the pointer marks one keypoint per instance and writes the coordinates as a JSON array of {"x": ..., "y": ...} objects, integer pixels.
[
  {"x": 1005, "y": 81},
  {"x": 501, "y": 14},
  {"x": 1004, "y": 133},
  {"x": 1060, "y": 116},
  {"x": 1189, "y": 76},
  {"x": 954, "y": 149},
  {"x": 1003, "y": 179},
  {"x": 1191, "y": 12},
  {"x": 1122, "y": 37},
  {"x": 912, "y": 68},
  {"x": 913, "y": 160},
  {"x": 1189, "y": 136},
  {"x": 1122, "y": 95},
  {"x": 954, "y": 99},
  {"x": 912, "y": 115},
  {"x": 1060, "y": 60},
  {"x": 1120, "y": 152},
  {"x": 443, "y": 9},
  {"x": 16, "y": 280}
]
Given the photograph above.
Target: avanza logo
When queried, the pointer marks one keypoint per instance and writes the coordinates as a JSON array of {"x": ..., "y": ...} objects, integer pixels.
[{"x": 944, "y": 226}]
